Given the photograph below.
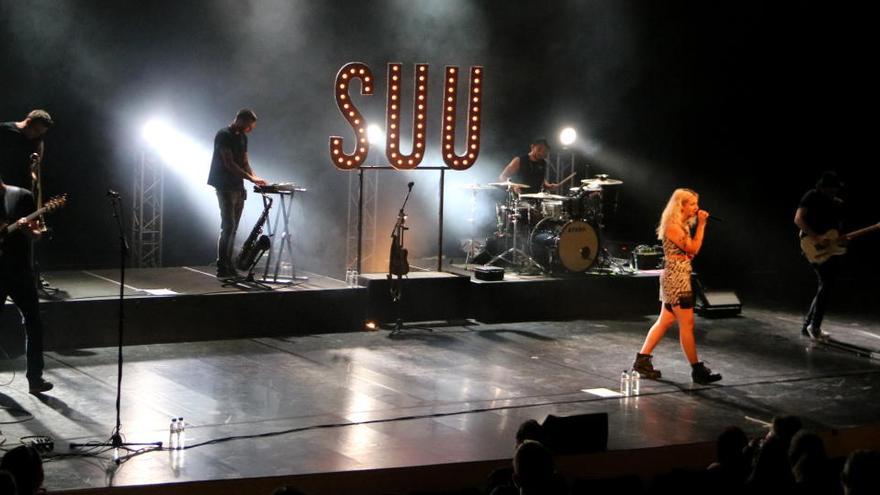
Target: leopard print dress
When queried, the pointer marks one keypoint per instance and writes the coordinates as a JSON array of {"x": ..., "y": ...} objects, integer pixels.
[{"x": 675, "y": 281}]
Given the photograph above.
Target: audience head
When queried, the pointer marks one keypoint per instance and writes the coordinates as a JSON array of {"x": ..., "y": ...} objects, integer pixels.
[
  {"x": 26, "y": 466},
  {"x": 530, "y": 430},
  {"x": 861, "y": 473},
  {"x": 533, "y": 468},
  {"x": 772, "y": 470},
  {"x": 731, "y": 444},
  {"x": 7, "y": 483},
  {"x": 784, "y": 427}
]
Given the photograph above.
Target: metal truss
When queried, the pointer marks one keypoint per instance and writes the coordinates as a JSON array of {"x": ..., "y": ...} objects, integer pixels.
[{"x": 146, "y": 212}]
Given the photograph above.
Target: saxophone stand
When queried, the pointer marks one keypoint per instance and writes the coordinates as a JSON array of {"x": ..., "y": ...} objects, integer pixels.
[
  {"x": 263, "y": 244},
  {"x": 398, "y": 266},
  {"x": 116, "y": 442}
]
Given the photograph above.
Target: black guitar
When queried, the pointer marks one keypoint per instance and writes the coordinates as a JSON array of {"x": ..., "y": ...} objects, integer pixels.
[{"x": 51, "y": 205}]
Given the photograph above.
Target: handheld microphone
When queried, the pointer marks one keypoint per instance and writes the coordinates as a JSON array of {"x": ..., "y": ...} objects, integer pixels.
[
  {"x": 714, "y": 218},
  {"x": 410, "y": 185}
]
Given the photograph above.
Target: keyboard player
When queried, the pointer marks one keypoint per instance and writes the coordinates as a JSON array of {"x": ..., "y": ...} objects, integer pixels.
[{"x": 229, "y": 168}]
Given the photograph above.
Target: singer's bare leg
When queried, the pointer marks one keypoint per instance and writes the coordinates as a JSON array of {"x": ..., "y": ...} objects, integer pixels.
[
  {"x": 658, "y": 330},
  {"x": 685, "y": 319}
]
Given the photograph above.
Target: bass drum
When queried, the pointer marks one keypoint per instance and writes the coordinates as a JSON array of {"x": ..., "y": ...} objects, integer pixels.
[{"x": 572, "y": 245}]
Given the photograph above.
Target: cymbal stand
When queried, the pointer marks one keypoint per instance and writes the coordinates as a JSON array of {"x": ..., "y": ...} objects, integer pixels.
[
  {"x": 606, "y": 262},
  {"x": 515, "y": 256},
  {"x": 472, "y": 246}
]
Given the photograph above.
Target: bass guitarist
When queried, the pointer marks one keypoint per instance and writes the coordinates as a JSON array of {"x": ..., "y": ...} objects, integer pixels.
[
  {"x": 16, "y": 276},
  {"x": 820, "y": 211}
]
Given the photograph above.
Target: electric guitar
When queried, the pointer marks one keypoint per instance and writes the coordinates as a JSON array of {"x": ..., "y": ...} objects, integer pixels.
[
  {"x": 831, "y": 243},
  {"x": 51, "y": 205}
]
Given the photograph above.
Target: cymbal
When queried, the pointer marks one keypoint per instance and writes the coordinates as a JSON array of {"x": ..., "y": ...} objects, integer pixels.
[
  {"x": 509, "y": 184},
  {"x": 541, "y": 195},
  {"x": 602, "y": 180},
  {"x": 586, "y": 187},
  {"x": 476, "y": 187}
]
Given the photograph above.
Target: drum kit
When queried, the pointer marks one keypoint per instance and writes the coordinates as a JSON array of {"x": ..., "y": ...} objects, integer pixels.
[{"x": 544, "y": 232}]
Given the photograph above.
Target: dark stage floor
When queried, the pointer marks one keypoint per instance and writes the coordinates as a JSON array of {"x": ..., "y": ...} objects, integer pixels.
[{"x": 457, "y": 394}]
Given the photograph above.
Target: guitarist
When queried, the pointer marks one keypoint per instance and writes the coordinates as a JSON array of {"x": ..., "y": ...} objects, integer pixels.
[
  {"x": 16, "y": 276},
  {"x": 819, "y": 211},
  {"x": 21, "y": 147}
]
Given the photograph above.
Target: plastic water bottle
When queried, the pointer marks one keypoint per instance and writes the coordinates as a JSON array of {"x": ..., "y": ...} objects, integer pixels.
[
  {"x": 172, "y": 434},
  {"x": 354, "y": 277},
  {"x": 181, "y": 426},
  {"x": 634, "y": 382},
  {"x": 348, "y": 272},
  {"x": 625, "y": 384}
]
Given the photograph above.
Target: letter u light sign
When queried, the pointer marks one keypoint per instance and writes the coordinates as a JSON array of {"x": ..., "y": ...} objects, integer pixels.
[{"x": 397, "y": 157}]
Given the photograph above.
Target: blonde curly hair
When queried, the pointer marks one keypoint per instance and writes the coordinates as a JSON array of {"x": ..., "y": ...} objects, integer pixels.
[{"x": 672, "y": 214}]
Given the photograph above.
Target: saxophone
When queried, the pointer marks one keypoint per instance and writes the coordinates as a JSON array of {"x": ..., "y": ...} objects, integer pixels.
[{"x": 256, "y": 244}]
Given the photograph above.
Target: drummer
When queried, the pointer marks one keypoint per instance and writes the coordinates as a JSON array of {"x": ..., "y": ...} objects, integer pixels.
[{"x": 530, "y": 169}]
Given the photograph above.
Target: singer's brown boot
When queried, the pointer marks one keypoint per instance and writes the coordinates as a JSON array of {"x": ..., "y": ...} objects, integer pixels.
[{"x": 643, "y": 365}]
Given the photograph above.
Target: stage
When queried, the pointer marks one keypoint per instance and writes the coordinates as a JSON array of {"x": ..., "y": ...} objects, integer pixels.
[
  {"x": 186, "y": 304},
  {"x": 351, "y": 411}
]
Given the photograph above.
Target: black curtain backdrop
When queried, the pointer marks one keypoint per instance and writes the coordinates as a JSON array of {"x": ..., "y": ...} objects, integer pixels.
[{"x": 746, "y": 102}]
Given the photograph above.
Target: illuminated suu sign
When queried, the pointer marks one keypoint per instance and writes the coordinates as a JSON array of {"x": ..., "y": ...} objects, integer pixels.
[{"x": 396, "y": 156}]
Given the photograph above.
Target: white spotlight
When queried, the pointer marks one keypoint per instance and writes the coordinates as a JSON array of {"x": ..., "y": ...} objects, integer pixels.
[
  {"x": 567, "y": 136},
  {"x": 375, "y": 135},
  {"x": 155, "y": 132},
  {"x": 183, "y": 154}
]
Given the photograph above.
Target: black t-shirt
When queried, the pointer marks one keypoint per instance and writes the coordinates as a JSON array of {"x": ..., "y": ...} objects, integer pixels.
[
  {"x": 15, "y": 203},
  {"x": 219, "y": 177},
  {"x": 821, "y": 213},
  {"x": 15, "y": 152},
  {"x": 530, "y": 173}
]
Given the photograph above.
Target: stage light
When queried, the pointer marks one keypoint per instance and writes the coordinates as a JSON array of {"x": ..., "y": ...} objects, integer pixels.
[
  {"x": 567, "y": 136},
  {"x": 184, "y": 155},
  {"x": 375, "y": 135}
]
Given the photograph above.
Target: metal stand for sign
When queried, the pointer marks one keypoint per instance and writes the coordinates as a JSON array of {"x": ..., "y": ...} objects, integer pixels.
[{"x": 360, "y": 227}]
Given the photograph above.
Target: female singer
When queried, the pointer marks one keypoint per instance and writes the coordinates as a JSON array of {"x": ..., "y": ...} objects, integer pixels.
[{"x": 682, "y": 212}]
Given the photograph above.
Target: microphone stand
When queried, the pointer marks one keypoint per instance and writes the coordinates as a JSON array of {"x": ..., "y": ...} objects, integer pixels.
[
  {"x": 116, "y": 441},
  {"x": 397, "y": 287}
]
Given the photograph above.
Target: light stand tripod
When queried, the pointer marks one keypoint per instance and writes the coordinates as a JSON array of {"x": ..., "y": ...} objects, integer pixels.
[
  {"x": 116, "y": 441},
  {"x": 517, "y": 257}
]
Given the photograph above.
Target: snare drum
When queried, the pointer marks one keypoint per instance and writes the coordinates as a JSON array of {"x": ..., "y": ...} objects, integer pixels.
[
  {"x": 572, "y": 245},
  {"x": 552, "y": 209}
]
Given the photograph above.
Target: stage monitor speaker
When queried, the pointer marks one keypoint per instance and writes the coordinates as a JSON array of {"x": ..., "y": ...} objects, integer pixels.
[
  {"x": 578, "y": 434},
  {"x": 715, "y": 303}
]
